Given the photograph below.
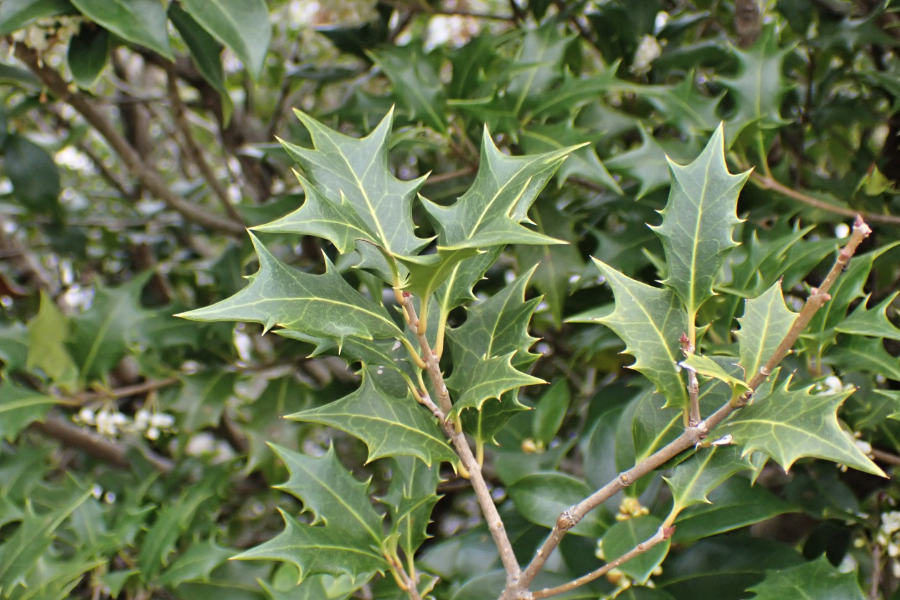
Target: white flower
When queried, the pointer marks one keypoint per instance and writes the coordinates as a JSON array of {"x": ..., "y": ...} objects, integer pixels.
[
  {"x": 833, "y": 385},
  {"x": 141, "y": 419},
  {"x": 841, "y": 230},
  {"x": 86, "y": 415},
  {"x": 162, "y": 420},
  {"x": 648, "y": 51}
]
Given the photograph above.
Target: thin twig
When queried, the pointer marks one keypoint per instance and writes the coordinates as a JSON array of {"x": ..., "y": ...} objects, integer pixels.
[
  {"x": 442, "y": 177},
  {"x": 122, "y": 392},
  {"x": 458, "y": 438},
  {"x": 768, "y": 183},
  {"x": 887, "y": 458},
  {"x": 26, "y": 261},
  {"x": 192, "y": 149},
  {"x": 692, "y": 435},
  {"x": 129, "y": 155},
  {"x": 660, "y": 536},
  {"x": 693, "y": 387}
]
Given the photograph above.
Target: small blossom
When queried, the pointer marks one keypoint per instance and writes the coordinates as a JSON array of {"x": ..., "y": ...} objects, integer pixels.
[{"x": 648, "y": 50}]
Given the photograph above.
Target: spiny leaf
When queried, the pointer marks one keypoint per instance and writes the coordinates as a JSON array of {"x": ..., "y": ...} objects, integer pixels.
[
  {"x": 874, "y": 322},
  {"x": 346, "y": 169},
  {"x": 650, "y": 321},
  {"x": 790, "y": 424},
  {"x": 47, "y": 334},
  {"x": 817, "y": 580},
  {"x": 388, "y": 425},
  {"x": 483, "y": 348},
  {"x": 411, "y": 498},
  {"x": 541, "y": 497},
  {"x": 19, "y": 407},
  {"x": 490, "y": 213},
  {"x": 646, "y": 164},
  {"x": 765, "y": 322},
  {"x": 417, "y": 82},
  {"x": 865, "y": 354},
  {"x": 338, "y": 222},
  {"x": 318, "y": 305},
  {"x": 759, "y": 85},
  {"x": 332, "y": 495},
  {"x": 536, "y": 67},
  {"x": 709, "y": 368},
  {"x": 698, "y": 222},
  {"x": 582, "y": 163},
  {"x": 683, "y": 106},
  {"x": 319, "y": 550},
  {"x": 700, "y": 474},
  {"x": 427, "y": 272}
]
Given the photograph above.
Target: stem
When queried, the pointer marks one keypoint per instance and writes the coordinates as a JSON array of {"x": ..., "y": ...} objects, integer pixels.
[
  {"x": 692, "y": 435},
  {"x": 458, "y": 438},
  {"x": 661, "y": 535},
  {"x": 768, "y": 183},
  {"x": 694, "y": 416}
]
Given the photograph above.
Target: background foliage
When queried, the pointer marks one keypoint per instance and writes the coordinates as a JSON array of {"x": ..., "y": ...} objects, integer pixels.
[{"x": 137, "y": 142}]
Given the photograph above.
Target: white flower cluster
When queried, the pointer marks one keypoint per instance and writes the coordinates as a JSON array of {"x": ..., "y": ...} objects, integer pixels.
[
  {"x": 888, "y": 537},
  {"x": 346, "y": 13},
  {"x": 47, "y": 32},
  {"x": 110, "y": 422}
]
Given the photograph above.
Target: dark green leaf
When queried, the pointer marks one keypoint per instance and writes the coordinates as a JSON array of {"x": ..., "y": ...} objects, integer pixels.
[
  {"x": 816, "y": 580},
  {"x": 625, "y": 535},
  {"x": 765, "y": 322},
  {"x": 47, "y": 353},
  {"x": 16, "y": 14},
  {"x": 874, "y": 322},
  {"x": 703, "y": 472},
  {"x": 541, "y": 498},
  {"x": 196, "y": 563},
  {"x": 416, "y": 78},
  {"x": 32, "y": 173},
  {"x": 88, "y": 54},
  {"x": 142, "y": 22},
  {"x": 242, "y": 25},
  {"x": 550, "y": 412},
  {"x": 19, "y": 407}
]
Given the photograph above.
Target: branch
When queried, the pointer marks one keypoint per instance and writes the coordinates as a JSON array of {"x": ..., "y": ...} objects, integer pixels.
[
  {"x": 131, "y": 158},
  {"x": 692, "y": 435},
  {"x": 95, "y": 445},
  {"x": 193, "y": 151},
  {"x": 26, "y": 261},
  {"x": 122, "y": 392},
  {"x": 482, "y": 493},
  {"x": 661, "y": 535},
  {"x": 694, "y": 416},
  {"x": 768, "y": 183}
]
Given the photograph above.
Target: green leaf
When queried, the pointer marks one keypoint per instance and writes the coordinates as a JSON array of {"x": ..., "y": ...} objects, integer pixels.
[
  {"x": 550, "y": 411},
  {"x": 280, "y": 295},
  {"x": 417, "y": 82},
  {"x": 698, "y": 223},
  {"x": 355, "y": 173},
  {"x": 816, "y": 580},
  {"x": 490, "y": 213},
  {"x": 650, "y": 321},
  {"x": 583, "y": 162},
  {"x": 16, "y": 14},
  {"x": 709, "y": 368},
  {"x": 647, "y": 164},
  {"x": 206, "y": 52},
  {"x": 101, "y": 335},
  {"x": 316, "y": 550},
  {"x": 703, "y": 472},
  {"x": 196, "y": 563},
  {"x": 142, "y": 22},
  {"x": 625, "y": 535},
  {"x": 389, "y": 426},
  {"x": 484, "y": 347},
  {"x": 873, "y": 323},
  {"x": 541, "y": 498},
  {"x": 683, "y": 106},
  {"x": 203, "y": 397},
  {"x": 333, "y": 496},
  {"x": 538, "y": 64},
  {"x": 88, "y": 54},
  {"x": 427, "y": 272},
  {"x": 32, "y": 173},
  {"x": 790, "y": 424},
  {"x": 411, "y": 498},
  {"x": 19, "y": 407},
  {"x": 265, "y": 422},
  {"x": 242, "y": 25},
  {"x": 865, "y": 354},
  {"x": 736, "y": 503},
  {"x": 47, "y": 334},
  {"x": 14, "y": 346},
  {"x": 765, "y": 322},
  {"x": 759, "y": 86}
]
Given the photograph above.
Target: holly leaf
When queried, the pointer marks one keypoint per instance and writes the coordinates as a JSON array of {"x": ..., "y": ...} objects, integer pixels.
[
  {"x": 318, "y": 305},
  {"x": 316, "y": 550},
  {"x": 203, "y": 397},
  {"x": 683, "y": 106},
  {"x": 483, "y": 348},
  {"x": 490, "y": 213},
  {"x": 389, "y": 426},
  {"x": 646, "y": 163},
  {"x": 242, "y": 25},
  {"x": 19, "y": 407},
  {"x": 650, "y": 321},
  {"x": 47, "y": 352},
  {"x": 541, "y": 498},
  {"x": 411, "y": 498},
  {"x": 582, "y": 163},
  {"x": 873, "y": 323},
  {"x": 759, "y": 85},
  {"x": 141, "y": 22},
  {"x": 703, "y": 472},
  {"x": 865, "y": 354},
  {"x": 765, "y": 322},
  {"x": 101, "y": 335},
  {"x": 537, "y": 66},
  {"x": 427, "y": 272},
  {"x": 698, "y": 222},
  {"x": 790, "y": 424},
  {"x": 355, "y": 171},
  {"x": 333, "y": 496},
  {"x": 816, "y": 580},
  {"x": 709, "y": 368},
  {"x": 197, "y": 563},
  {"x": 417, "y": 82}
]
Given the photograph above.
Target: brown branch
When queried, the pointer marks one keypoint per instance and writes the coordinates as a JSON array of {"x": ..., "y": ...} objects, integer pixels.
[
  {"x": 691, "y": 435},
  {"x": 122, "y": 392},
  {"x": 442, "y": 177},
  {"x": 693, "y": 416},
  {"x": 192, "y": 149},
  {"x": 26, "y": 261},
  {"x": 130, "y": 157},
  {"x": 660, "y": 536},
  {"x": 887, "y": 458},
  {"x": 747, "y": 21},
  {"x": 94, "y": 444},
  {"x": 458, "y": 438},
  {"x": 768, "y": 183}
]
